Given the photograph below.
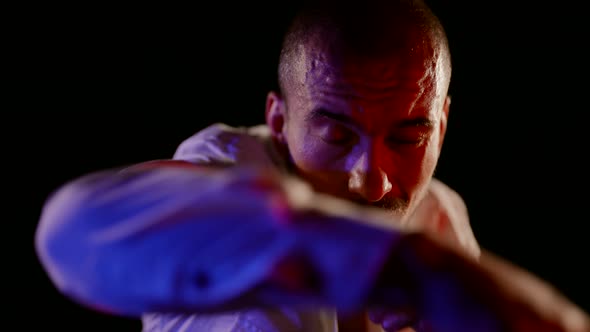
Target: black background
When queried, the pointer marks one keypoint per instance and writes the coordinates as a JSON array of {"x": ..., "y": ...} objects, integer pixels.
[{"x": 91, "y": 87}]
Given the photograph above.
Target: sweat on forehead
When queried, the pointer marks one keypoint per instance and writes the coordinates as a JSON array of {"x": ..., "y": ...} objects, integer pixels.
[{"x": 371, "y": 28}]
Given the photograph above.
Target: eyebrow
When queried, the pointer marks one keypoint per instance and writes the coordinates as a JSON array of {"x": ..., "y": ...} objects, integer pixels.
[
  {"x": 418, "y": 122},
  {"x": 323, "y": 113},
  {"x": 345, "y": 119}
]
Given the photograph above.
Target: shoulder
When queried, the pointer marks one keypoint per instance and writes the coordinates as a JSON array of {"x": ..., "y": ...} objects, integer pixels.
[
  {"x": 444, "y": 212},
  {"x": 220, "y": 144},
  {"x": 210, "y": 144},
  {"x": 449, "y": 200}
]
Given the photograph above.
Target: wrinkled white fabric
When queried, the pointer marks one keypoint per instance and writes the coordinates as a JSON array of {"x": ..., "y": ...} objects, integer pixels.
[
  {"x": 442, "y": 210},
  {"x": 141, "y": 241}
]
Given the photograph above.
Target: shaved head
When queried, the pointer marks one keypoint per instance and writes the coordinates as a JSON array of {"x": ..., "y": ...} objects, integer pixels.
[
  {"x": 363, "y": 103},
  {"x": 366, "y": 29}
]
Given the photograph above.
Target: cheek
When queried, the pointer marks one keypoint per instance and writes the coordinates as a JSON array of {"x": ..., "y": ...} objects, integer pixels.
[
  {"x": 314, "y": 161},
  {"x": 431, "y": 154},
  {"x": 310, "y": 154},
  {"x": 419, "y": 169}
]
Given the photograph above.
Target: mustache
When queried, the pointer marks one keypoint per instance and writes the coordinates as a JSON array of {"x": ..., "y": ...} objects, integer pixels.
[{"x": 395, "y": 204}]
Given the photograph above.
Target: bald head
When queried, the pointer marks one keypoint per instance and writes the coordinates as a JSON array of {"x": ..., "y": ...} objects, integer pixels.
[{"x": 365, "y": 29}]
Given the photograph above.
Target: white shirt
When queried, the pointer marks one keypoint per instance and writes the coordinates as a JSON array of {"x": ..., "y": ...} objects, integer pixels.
[
  {"x": 128, "y": 243},
  {"x": 220, "y": 144}
]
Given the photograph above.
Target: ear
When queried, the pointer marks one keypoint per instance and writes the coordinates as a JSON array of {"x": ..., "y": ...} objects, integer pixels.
[
  {"x": 275, "y": 116},
  {"x": 443, "y": 121}
]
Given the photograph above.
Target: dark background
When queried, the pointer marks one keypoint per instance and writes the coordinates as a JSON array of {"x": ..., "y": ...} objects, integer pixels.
[{"x": 88, "y": 88}]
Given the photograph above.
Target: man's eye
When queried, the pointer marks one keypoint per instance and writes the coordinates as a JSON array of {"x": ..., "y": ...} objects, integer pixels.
[
  {"x": 410, "y": 140},
  {"x": 336, "y": 134}
]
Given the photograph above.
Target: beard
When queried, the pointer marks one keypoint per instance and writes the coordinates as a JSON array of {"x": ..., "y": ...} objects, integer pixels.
[{"x": 396, "y": 205}]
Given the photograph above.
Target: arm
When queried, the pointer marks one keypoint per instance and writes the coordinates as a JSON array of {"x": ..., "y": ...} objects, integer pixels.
[
  {"x": 452, "y": 292},
  {"x": 159, "y": 237}
]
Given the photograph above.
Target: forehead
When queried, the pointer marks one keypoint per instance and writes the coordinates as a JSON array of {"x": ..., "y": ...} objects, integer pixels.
[
  {"x": 410, "y": 76},
  {"x": 409, "y": 71}
]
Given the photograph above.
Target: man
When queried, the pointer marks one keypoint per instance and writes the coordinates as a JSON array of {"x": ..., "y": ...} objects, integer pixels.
[{"x": 304, "y": 223}]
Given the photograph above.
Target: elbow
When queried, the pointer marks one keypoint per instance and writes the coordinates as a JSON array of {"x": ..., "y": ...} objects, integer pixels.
[
  {"x": 82, "y": 240},
  {"x": 62, "y": 241}
]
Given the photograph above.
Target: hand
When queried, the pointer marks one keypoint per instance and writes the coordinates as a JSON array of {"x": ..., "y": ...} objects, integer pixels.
[
  {"x": 452, "y": 292},
  {"x": 395, "y": 320}
]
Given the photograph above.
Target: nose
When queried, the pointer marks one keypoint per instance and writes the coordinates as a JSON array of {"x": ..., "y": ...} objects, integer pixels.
[{"x": 368, "y": 179}]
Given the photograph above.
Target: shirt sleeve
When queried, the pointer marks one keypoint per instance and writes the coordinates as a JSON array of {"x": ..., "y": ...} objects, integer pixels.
[
  {"x": 222, "y": 145},
  {"x": 190, "y": 239}
]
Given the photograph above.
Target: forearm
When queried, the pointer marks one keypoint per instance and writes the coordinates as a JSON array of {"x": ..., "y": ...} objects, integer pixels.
[
  {"x": 525, "y": 302},
  {"x": 452, "y": 291}
]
